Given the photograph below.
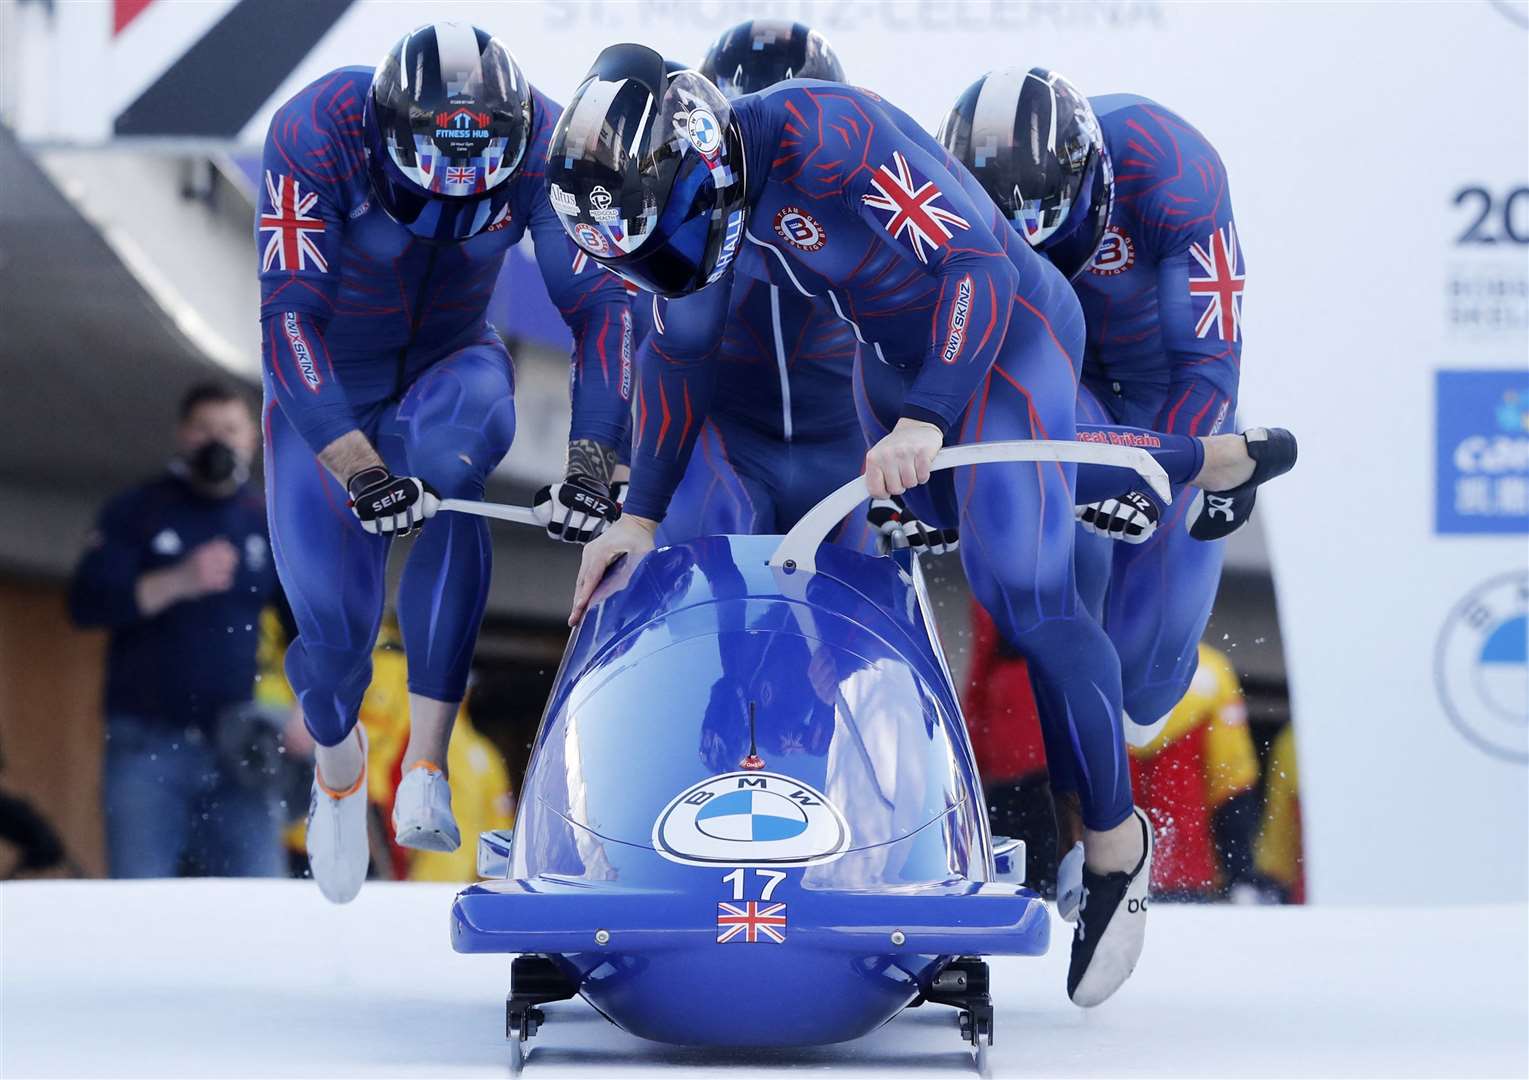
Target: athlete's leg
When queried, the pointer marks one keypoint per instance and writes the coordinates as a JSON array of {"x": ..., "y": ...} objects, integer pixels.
[
  {"x": 1017, "y": 530},
  {"x": 713, "y": 496},
  {"x": 332, "y": 572},
  {"x": 451, "y": 429},
  {"x": 1160, "y": 598},
  {"x": 1016, "y": 544}
]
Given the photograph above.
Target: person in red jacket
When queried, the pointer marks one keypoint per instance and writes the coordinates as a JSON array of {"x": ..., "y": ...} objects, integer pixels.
[{"x": 1197, "y": 780}]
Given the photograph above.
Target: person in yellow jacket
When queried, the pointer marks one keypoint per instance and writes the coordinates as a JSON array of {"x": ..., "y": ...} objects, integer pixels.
[
  {"x": 1198, "y": 782},
  {"x": 1277, "y": 854}
]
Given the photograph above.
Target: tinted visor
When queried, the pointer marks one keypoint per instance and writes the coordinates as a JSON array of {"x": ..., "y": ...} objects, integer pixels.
[
  {"x": 452, "y": 110},
  {"x": 645, "y": 172}
]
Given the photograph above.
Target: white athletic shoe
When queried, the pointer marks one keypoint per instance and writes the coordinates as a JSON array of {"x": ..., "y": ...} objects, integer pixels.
[
  {"x": 1069, "y": 883},
  {"x": 1140, "y": 735},
  {"x": 339, "y": 848},
  {"x": 1111, "y": 928},
  {"x": 422, "y": 817}
]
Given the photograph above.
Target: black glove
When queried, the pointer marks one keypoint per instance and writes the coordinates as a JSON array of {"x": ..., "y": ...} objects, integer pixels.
[
  {"x": 576, "y": 510},
  {"x": 898, "y": 528},
  {"x": 390, "y": 504},
  {"x": 1131, "y": 518}
]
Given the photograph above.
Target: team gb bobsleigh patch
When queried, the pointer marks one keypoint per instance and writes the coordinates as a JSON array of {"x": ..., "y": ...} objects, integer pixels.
[{"x": 750, "y": 819}]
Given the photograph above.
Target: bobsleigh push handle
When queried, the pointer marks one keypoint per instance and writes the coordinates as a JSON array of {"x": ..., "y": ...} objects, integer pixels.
[{"x": 798, "y": 548}]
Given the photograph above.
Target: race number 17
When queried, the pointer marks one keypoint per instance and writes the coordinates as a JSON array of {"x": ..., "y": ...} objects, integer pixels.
[{"x": 737, "y": 877}]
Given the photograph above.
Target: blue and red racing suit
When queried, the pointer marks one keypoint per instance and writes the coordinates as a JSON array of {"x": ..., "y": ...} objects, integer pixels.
[
  {"x": 1163, "y": 302},
  {"x": 958, "y": 324},
  {"x": 781, "y": 432},
  {"x": 367, "y": 327}
]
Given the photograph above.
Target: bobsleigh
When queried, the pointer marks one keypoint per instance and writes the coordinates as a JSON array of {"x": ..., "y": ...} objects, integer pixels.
[{"x": 752, "y": 783}]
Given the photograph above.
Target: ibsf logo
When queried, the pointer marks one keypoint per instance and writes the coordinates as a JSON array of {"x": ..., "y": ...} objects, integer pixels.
[
  {"x": 300, "y": 351},
  {"x": 958, "y": 315},
  {"x": 750, "y": 819},
  {"x": 1481, "y": 666}
]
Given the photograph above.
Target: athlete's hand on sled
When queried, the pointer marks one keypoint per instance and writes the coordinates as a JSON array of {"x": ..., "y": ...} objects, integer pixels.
[
  {"x": 576, "y": 510},
  {"x": 1131, "y": 518},
  {"x": 901, "y": 460},
  {"x": 395, "y": 505},
  {"x": 628, "y": 535},
  {"x": 897, "y": 528}
]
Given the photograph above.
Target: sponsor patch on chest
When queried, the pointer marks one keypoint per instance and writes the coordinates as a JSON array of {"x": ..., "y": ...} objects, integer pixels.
[
  {"x": 800, "y": 229},
  {"x": 1116, "y": 254}
]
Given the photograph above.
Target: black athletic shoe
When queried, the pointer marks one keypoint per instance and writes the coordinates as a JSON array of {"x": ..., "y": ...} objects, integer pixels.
[
  {"x": 1216, "y": 514},
  {"x": 1112, "y": 924}
]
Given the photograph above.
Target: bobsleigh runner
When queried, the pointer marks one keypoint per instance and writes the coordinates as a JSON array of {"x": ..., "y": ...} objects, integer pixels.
[{"x": 753, "y": 777}]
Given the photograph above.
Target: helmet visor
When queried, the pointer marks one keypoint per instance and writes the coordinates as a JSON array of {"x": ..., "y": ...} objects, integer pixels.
[
  {"x": 454, "y": 119},
  {"x": 644, "y": 171}
]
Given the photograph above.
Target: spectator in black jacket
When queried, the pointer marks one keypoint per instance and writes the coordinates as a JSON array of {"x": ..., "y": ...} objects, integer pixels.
[{"x": 178, "y": 569}]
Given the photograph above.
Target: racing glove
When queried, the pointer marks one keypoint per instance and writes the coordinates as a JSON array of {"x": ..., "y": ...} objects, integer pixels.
[
  {"x": 897, "y": 528},
  {"x": 576, "y": 510},
  {"x": 1131, "y": 518},
  {"x": 395, "y": 505}
]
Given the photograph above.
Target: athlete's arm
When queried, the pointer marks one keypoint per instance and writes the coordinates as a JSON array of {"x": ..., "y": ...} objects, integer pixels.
[
  {"x": 1199, "y": 288},
  {"x": 298, "y": 229},
  {"x": 593, "y": 303},
  {"x": 952, "y": 236}
]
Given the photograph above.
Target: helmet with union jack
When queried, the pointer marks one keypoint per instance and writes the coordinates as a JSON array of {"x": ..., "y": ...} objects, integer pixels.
[
  {"x": 1033, "y": 142},
  {"x": 446, "y": 124},
  {"x": 762, "y": 52},
  {"x": 646, "y": 172}
]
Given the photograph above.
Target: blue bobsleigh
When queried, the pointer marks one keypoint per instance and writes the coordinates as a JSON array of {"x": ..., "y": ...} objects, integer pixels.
[{"x": 753, "y": 781}]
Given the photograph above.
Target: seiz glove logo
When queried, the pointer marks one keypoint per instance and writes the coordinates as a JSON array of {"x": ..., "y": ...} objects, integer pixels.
[{"x": 394, "y": 505}]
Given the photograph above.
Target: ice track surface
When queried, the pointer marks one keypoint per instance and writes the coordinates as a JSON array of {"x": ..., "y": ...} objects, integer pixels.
[{"x": 225, "y": 978}]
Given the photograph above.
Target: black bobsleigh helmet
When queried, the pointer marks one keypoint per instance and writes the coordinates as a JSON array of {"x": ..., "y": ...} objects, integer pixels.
[
  {"x": 1033, "y": 142},
  {"x": 646, "y": 172},
  {"x": 762, "y": 52},
  {"x": 446, "y": 124}
]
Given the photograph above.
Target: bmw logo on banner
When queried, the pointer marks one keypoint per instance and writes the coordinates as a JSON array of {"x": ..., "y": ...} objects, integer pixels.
[
  {"x": 1481, "y": 665},
  {"x": 750, "y": 819}
]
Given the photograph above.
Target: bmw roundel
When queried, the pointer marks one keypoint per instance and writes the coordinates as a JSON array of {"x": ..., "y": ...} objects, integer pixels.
[
  {"x": 1481, "y": 666},
  {"x": 704, "y": 131},
  {"x": 750, "y": 819}
]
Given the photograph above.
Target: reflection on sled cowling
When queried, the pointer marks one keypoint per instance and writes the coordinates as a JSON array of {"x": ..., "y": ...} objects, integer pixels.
[{"x": 752, "y": 816}]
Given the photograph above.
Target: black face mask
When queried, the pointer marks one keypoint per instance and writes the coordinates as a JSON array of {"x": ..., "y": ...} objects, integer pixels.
[{"x": 214, "y": 464}]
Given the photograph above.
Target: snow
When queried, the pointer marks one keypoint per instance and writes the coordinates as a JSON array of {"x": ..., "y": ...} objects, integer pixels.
[{"x": 226, "y": 978}]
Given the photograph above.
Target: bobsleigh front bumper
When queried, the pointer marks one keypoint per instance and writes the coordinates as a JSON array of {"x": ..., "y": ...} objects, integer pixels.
[{"x": 557, "y": 917}]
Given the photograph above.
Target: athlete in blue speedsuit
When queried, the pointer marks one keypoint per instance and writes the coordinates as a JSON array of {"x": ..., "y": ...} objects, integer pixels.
[
  {"x": 781, "y": 432},
  {"x": 1137, "y": 213},
  {"x": 389, "y": 201},
  {"x": 965, "y": 332}
]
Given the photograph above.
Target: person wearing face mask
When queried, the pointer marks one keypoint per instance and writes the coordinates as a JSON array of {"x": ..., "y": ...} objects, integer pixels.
[{"x": 178, "y": 571}]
